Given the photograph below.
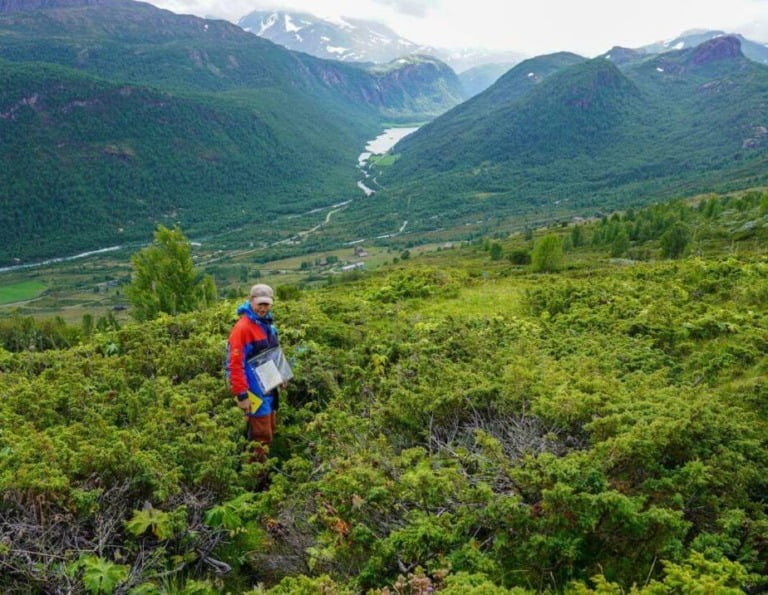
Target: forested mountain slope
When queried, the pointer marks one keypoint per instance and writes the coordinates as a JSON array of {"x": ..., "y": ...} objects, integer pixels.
[
  {"x": 88, "y": 162},
  {"x": 456, "y": 422},
  {"x": 213, "y": 124},
  {"x": 458, "y": 127},
  {"x": 593, "y": 136}
]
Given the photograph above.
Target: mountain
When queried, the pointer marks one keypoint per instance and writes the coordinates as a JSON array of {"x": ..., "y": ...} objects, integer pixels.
[
  {"x": 479, "y": 78},
  {"x": 134, "y": 41},
  {"x": 414, "y": 85},
  {"x": 441, "y": 135},
  {"x": 465, "y": 59},
  {"x": 115, "y": 115},
  {"x": 355, "y": 40},
  {"x": 521, "y": 79},
  {"x": 347, "y": 40},
  {"x": 621, "y": 55},
  {"x": 757, "y": 52},
  {"x": 589, "y": 137}
]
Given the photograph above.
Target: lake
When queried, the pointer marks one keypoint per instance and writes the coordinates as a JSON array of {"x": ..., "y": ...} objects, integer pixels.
[{"x": 384, "y": 142}]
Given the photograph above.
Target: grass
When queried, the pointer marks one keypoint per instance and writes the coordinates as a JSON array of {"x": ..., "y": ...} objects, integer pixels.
[
  {"x": 22, "y": 291},
  {"x": 384, "y": 160}
]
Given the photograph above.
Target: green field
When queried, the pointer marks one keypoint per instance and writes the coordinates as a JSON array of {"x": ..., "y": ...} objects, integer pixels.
[
  {"x": 384, "y": 160},
  {"x": 19, "y": 292}
]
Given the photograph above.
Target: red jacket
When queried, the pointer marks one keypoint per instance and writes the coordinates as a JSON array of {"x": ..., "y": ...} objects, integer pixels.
[{"x": 250, "y": 335}]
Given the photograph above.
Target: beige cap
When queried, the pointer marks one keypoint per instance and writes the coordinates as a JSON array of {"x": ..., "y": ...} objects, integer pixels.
[{"x": 263, "y": 294}]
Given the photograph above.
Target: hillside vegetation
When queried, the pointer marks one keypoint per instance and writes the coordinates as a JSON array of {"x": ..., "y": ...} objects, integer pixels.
[
  {"x": 117, "y": 116},
  {"x": 563, "y": 134},
  {"x": 457, "y": 422}
]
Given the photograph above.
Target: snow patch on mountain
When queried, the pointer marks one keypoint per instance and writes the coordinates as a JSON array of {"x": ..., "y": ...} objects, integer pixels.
[
  {"x": 290, "y": 26},
  {"x": 266, "y": 24},
  {"x": 364, "y": 41}
]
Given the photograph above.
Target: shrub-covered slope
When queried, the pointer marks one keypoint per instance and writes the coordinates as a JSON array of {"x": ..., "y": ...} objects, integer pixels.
[{"x": 456, "y": 421}]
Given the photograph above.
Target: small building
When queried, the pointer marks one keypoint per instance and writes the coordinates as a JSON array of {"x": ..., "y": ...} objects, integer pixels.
[{"x": 352, "y": 267}]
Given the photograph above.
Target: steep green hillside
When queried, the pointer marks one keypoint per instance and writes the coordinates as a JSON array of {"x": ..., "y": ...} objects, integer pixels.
[
  {"x": 479, "y": 78},
  {"x": 418, "y": 84},
  {"x": 458, "y": 127},
  {"x": 590, "y": 137},
  {"x": 456, "y": 422},
  {"x": 89, "y": 163},
  {"x": 132, "y": 41},
  {"x": 144, "y": 116}
]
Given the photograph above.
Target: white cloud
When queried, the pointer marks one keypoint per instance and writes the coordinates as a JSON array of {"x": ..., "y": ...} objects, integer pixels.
[
  {"x": 587, "y": 27},
  {"x": 417, "y": 8}
]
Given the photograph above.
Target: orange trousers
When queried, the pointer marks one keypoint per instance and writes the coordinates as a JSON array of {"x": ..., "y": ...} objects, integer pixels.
[{"x": 261, "y": 429}]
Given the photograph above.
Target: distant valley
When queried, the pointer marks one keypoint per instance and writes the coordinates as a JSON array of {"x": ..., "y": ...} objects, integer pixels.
[{"x": 116, "y": 116}]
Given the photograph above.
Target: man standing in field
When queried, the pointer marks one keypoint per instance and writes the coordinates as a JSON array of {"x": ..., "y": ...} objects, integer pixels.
[{"x": 254, "y": 333}]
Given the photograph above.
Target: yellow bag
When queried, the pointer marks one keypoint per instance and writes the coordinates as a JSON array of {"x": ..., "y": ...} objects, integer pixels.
[{"x": 255, "y": 402}]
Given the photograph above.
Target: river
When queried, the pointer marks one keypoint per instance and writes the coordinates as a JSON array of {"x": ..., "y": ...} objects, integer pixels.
[
  {"x": 19, "y": 267},
  {"x": 378, "y": 146}
]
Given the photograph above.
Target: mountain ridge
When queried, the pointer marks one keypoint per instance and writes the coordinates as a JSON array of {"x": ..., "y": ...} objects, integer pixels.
[
  {"x": 592, "y": 135},
  {"x": 359, "y": 40}
]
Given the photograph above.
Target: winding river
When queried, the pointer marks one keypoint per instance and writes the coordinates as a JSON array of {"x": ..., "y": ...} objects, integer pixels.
[
  {"x": 378, "y": 146},
  {"x": 19, "y": 267}
]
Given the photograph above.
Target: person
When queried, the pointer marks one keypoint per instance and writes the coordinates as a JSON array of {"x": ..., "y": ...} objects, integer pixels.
[{"x": 254, "y": 332}]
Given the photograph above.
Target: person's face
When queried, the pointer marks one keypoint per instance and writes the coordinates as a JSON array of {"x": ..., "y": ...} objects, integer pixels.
[{"x": 261, "y": 308}]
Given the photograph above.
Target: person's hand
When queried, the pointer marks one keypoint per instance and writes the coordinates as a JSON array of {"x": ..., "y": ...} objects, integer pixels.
[{"x": 244, "y": 404}]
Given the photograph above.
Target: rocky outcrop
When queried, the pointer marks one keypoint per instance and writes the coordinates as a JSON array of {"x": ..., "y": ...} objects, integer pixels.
[
  {"x": 409, "y": 87},
  {"x": 714, "y": 50}
]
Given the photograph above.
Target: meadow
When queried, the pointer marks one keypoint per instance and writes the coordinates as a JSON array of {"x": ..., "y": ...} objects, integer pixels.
[{"x": 21, "y": 291}]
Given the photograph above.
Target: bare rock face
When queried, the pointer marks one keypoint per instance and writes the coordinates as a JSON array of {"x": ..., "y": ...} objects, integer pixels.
[
  {"x": 720, "y": 48},
  {"x": 758, "y": 138}
]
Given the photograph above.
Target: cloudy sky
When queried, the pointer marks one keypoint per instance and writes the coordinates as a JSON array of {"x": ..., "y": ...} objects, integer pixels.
[{"x": 587, "y": 27}]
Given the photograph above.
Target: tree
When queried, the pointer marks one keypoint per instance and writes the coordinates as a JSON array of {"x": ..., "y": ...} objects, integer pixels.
[
  {"x": 165, "y": 279},
  {"x": 547, "y": 254},
  {"x": 520, "y": 257},
  {"x": 620, "y": 243},
  {"x": 577, "y": 236},
  {"x": 675, "y": 240},
  {"x": 88, "y": 324}
]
